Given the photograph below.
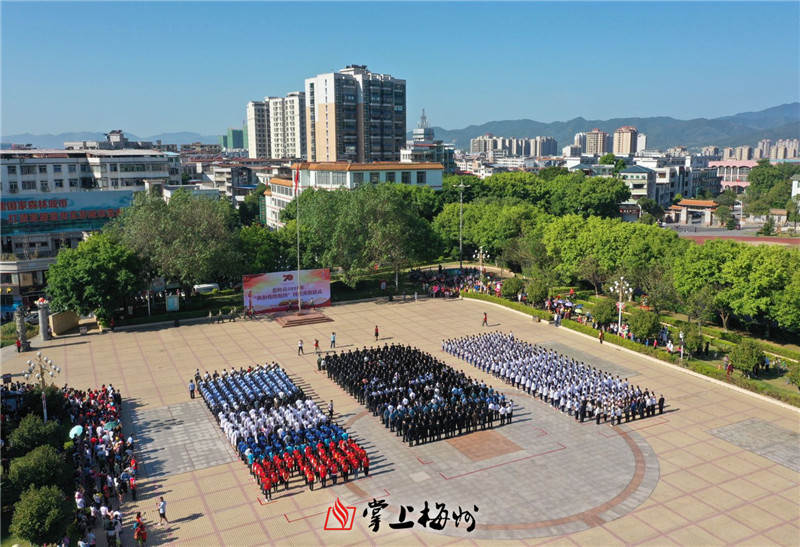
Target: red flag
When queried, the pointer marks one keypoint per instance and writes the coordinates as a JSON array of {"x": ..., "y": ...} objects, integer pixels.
[{"x": 296, "y": 179}]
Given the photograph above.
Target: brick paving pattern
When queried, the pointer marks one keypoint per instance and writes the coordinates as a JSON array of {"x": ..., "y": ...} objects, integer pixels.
[{"x": 671, "y": 479}]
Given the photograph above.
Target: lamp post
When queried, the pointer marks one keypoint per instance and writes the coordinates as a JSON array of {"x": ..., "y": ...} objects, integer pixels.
[
  {"x": 41, "y": 368},
  {"x": 480, "y": 256},
  {"x": 461, "y": 187},
  {"x": 623, "y": 289}
]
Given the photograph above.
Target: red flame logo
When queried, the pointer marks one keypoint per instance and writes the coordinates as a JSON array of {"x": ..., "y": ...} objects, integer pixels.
[{"x": 340, "y": 513}]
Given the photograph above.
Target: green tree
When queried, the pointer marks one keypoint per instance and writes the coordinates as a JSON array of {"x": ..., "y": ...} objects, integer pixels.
[
  {"x": 699, "y": 305},
  {"x": 262, "y": 249},
  {"x": 694, "y": 340},
  {"x": 96, "y": 277},
  {"x": 644, "y": 324},
  {"x": 512, "y": 287},
  {"x": 607, "y": 159},
  {"x": 651, "y": 206},
  {"x": 658, "y": 284},
  {"x": 704, "y": 266},
  {"x": 590, "y": 269},
  {"x": 747, "y": 356},
  {"x": 793, "y": 210},
  {"x": 41, "y": 515},
  {"x": 727, "y": 198},
  {"x": 249, "y": 208},
  {"x": 723, "y": 214},
  {"x": 33, "y": 432},
  {"x": 605, "y": 311},
  {"x": 192, "y": 239},
  {"x": 768, "y": 228},
  {"x": 647, "y": 218},
  {"x": 794, "y": 375},
  {"x": 762, "y": 178},
  {"x": 41, "y": 466},
  {"x": 787, "y": 306}
]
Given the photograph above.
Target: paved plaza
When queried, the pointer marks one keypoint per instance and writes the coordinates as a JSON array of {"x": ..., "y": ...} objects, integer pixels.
[{"x": 718, "y": 467}]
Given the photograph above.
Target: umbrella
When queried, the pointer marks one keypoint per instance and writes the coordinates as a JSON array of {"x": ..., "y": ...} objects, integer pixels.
[
  {"x": 111, "y": 425},
  {"x": 76, "y": 431},
  {"x": 579, "y": 306}
]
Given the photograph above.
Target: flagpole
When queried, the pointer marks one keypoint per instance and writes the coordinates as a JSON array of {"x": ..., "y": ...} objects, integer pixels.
[{"x": 297, "y": 216}]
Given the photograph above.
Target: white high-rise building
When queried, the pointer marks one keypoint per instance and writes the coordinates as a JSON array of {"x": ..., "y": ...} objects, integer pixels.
[
  {"x": 276, "y": 127},
  {"x": 258, "y": 129},
  {"x": 641, "y": 142}
]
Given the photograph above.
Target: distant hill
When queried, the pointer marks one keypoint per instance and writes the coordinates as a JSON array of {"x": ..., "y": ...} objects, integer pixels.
[
  {"x": 57, "y": 141},
  {"x": 780, "y": 122}
]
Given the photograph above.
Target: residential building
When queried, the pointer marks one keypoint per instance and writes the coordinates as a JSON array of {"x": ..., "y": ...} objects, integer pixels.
[
  {"x": 596, "y": 143},
  {"x": 287, "y": 126},
  {"x": 342, "y": 175},
  {"x": 424, "y": 148},
  {"x": 625, "y": 141},
  {"x": 580, "y": 140},
  {"x": 785, "y": 149},
  {"x": 355, "y": 115},
  {"x": 200, "y": 149},
  {"x": 709, "y": 151},
  {"x": 234, "y": 139},
  {"x": 673, "y": 176},
  {"x": 641, "y": 142},
  {"x": 744, "y": 153},
  {"x": 728, "y": 153},
  {"x": 642, "y": 183},
  {"x": 258, "y": 133},
  {"x": 571, "y": 151}
]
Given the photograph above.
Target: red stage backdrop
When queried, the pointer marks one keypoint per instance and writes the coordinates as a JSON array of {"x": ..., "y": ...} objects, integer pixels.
[{"x": 277, "y": 291}]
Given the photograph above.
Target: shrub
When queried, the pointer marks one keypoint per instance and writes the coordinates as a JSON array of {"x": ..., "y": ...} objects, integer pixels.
[
  {"x": 41, "y": 515},
  {"x": 41, "y": 466},
  {"x": 512, "y": 287},
  {"x": 33, "y": 432},
  {"x": 605, "y": 311},
  {"x": 530, "y": 310},
  {"x": 747, "y": 356},
  {"x": 644, "y": 324}
]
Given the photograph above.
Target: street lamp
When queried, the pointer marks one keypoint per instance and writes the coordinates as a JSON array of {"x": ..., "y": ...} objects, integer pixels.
[
  {"x": 41, "y": 368},
  {"x": 480, "y": 256},
  {"x": 623, "y": 289},
  {"x": 461, "y": 187}
]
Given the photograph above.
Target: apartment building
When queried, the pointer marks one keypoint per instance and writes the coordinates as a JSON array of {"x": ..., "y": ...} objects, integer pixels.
[
  {"x": 596, "y": 143},
  {"x": 258, "y": 129},
  {"x": 355, "y": 115},
  {"x": 625, "y": 141}
]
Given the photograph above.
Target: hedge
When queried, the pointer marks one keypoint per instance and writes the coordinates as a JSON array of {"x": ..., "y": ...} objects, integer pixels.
[
  {"x": 757, "y": 386},
  {"x": 524, "y": 308}
]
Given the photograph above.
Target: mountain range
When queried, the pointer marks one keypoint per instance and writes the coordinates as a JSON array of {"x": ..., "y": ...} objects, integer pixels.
[{"x": 746, "y": 128}]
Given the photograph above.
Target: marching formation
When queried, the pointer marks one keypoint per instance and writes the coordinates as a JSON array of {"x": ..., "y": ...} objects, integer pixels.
[
  {"x": 277, "y": 432},
  {"x": 417, "y": 396},
  {"x": 575, "y": 388}
]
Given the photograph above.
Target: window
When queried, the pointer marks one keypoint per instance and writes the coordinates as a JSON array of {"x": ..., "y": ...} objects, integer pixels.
[
  {"x": 405, "y": 177},
  {"x": 84, "y": 168},
  {"x": 374, "y": 177},
  {"x": 56, "y": 169},
  {"x": 421, "y": 177},
  {"x": 73, "y": 182},
  {"x": 72, "y": 168},
  {"x": 358, "y": 178},
  {"x": 13, "y": 188},
  {"x": 58, "y": 183},
  {"x": 390, "y": 176},
  {"x": 43, "y": 169},
  {"x": 12, "y": 169},
  {"x": 28, "y": 170},
  {"x": 45, "y": 187},
  {"x": 29, "y": 185}
]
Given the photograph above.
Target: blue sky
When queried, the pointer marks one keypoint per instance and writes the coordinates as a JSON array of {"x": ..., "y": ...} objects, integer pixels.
[{"x": 156, "y": 67}]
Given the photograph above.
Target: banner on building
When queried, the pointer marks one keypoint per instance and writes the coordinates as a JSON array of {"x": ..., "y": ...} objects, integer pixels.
[{"x": 277, "y": 291}]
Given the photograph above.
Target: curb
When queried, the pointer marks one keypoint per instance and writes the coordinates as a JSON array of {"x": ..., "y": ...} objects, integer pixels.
[{"x": 672, "y": 367}]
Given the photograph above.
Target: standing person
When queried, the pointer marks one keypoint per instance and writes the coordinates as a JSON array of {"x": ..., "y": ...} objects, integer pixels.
[
  {"x": 333, "y": 340},
  {"x": 132, "y": 482},
  {"x": 377, "y": 333},
  {"x": 485, "y": 320},
  {"x": 601, "y": 336},
  {"x": 330, "y": 409},
  {"x": 300, "y": 347},
  {"x": 316, "y": 346},
  {"x": 19, "y": 345},
  {"x": 191, "y": 388},
  {"x": 162, "y": 511},
  {"x": 365, "y": 464},
  {"x": 139, "y": 531}
]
